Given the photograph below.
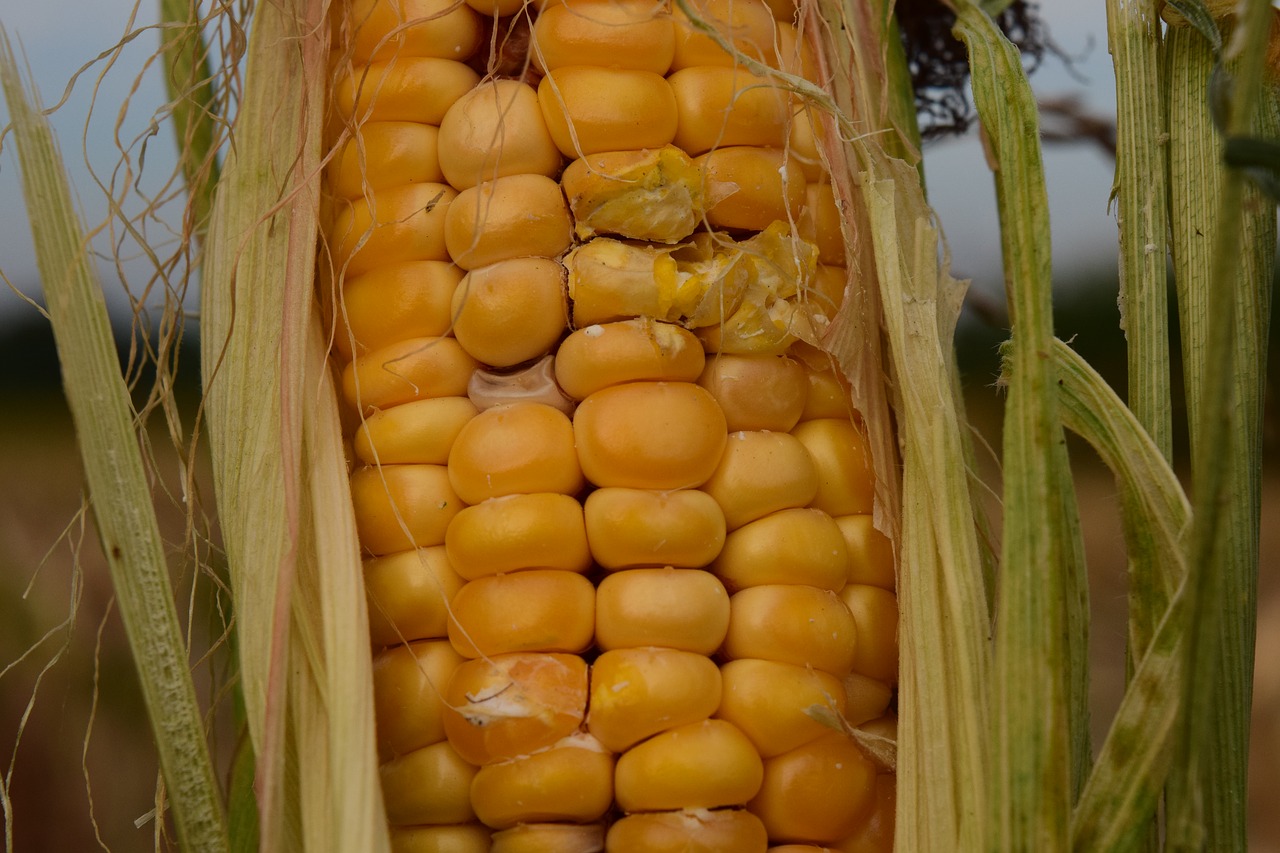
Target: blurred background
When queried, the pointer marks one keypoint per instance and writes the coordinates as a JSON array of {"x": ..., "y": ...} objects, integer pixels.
[{"x": 83, "y": 773}]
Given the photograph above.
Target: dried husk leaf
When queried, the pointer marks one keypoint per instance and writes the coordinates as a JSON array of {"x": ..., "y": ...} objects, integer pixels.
[
  {"x": 119, "y": 490},
  {"x": 279, "y": 470}
]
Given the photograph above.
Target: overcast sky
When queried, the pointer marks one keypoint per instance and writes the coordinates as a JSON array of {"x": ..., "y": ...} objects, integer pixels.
[{"x": 56, "y": 37}]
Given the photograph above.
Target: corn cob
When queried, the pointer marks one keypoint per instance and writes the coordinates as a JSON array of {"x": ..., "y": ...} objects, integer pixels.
[{"x": 624, "y": 589}]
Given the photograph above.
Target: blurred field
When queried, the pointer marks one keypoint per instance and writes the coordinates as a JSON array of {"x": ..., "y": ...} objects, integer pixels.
[{"x": 63, "y": 781}]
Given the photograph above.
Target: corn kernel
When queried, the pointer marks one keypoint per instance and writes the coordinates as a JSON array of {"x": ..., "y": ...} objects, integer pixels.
[
  {"x": 572, "y": 781},
  {"x": 536, "y": 531},
  {"x": 422, "y": 431},
  {"x": 757, "y": 392},
  {"x": 770, "y": 187},
  {"x": 820, "y": 792},
  {"x": 627, "y": 351},
  {"x": 722, "y": 106},
  {"x": 462, "y": 838},
  {"x": 518, "y": 449},
  {"x": 383, "y": 29},
  {"x": 845, "y": 483},
  {"x": 761, "y": 473},
  {"x": 801, "y": 625},
  {"x": 409, "y": 595},
  {"x": 779, "y": 706},
  {"x": 385, "y": 154},
  {"x": 870, "y": 552},
  {"x": 634, "y": 527},
  {"x": 747, "y": 24},
  {"x": 791, "y": 546},
  {"x": 539, "y": 610},
  {"x": 650, "y": 194},
  {"x": 512, "y": 311},
  {"x": 636, "y": 693},
  {"x": 394, "y": 302},
  {"x": 495, "y": 129},
  {"x": 674, "y": 608},
  {"x": 591, "y": 109},
  {"x": 550, "y": 838},
  {"x": 401, "y": 507},
  {"x": 699, "y": 765},
  {"x": 431, "y": 785},
  {"x": 632, "y": 34},
  {"x": 875, "y": 612},
  {"x": 417, "y": 89},
  {"x": 408, "y": 695},
  {"x": 516, "y": 216},
  {"x": 688, "y": 831},
  {"x": 404, "y": 223},
  {"x": 411, "y": 369}
]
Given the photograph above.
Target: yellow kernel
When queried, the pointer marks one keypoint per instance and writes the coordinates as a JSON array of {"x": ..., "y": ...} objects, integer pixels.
[
  {"x": 636, "y": 693},
  {"x": 417, "y": 89},
  {"x": 394, "y": 225},
  {"x": 385, "y": 154},
  {"x": 699, "y": 765},
  {"x": 875, "y": 612},
  {"x": 747, "y": 24},
  {"x": 721, "y": 106},
  {"x": 820, "y": 224},
  {"x": 801, "y": 625},
  {"x": 770, "y": 187},
  {"x": 408, "y": 695},
  {"x": 828, "y": 396},
  {"x": 508, "y": 705},
  {"x": 382, "y": 29},
  {"x": 875, "y": 834},
  {"x": 409, "y": 595},
  {"x": 550, "y": 838},
  {"x": 865, "y": 698},
  {"x": 633, "y": 34},
  {"x": 845, "y": 483},
  {"x": 462, "y": 838},
  {"x": 393, "y": 302},
  {"x": 803, "y": 140},
  {"x": 779, "y": 706},
  {"x": 673, "y": 608},
  {"x": 408, "y": 370},
  {"x": 512, "y": 311},
  {"x": 596, "y": 357},
  {"x": 431, "y": 785},
  {"x": 756, "y": 392},
  {"x": 539, "y": 610},
  {"x": 649, "y": 435},
  {"x": 400, "y": 507},
  {"x": 517, "y": 449},
  {"x": 591, "y": 109},
  {"x": 791, "y": 546},
  {"x": 761, "y": 473},
  {"x": 696, "y": 831},
  {"x": 636, "y": 527},
  {"x": 515, "y": 216},
  {"x": 870, "y": 552},
  {"x": 818, "y": 793},
  {"x": 571, "y": 782},
  {"x": 495, "y": 130},
  {"x": 536, "y": 531},
  {"x": 422, "y": 431}
]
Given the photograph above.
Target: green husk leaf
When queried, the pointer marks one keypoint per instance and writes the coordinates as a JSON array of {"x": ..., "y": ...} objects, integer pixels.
[
  {"x": 189, "y": 84},
  {"x": 242, "y": 807},
  {"x": 279, "y": 469},
  {"x": 1198, "y": 16},
  {"x": 1224, "y": 236},
  {"x": 1040, "y": 704},
  {"x": 1118, "y": 805},
  {"x": 115, "y": 473}
]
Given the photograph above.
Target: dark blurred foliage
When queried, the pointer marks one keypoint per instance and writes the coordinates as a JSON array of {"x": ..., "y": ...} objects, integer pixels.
[{"x": 939, "y": 65}]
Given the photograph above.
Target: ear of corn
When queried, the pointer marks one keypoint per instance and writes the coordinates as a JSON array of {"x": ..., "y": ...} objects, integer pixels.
[{"x": 623, "y": 577}]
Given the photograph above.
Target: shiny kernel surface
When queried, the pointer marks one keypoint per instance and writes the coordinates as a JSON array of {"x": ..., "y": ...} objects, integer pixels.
[
  {"x": 636, "y": 693},
  {"x": 512, "y": 217},
  {"x": 398, "y": 224},
  {"x": 422, "y": 431},
  {"x": 412, "y": 369},
  {"x": 845, "y": 482},
  {"x": 460, "y": 838},
  {"x": 779, "y": 706},
  {"x": 761, "y": 473},
  {"x": 699, "y": 765},
  {"x": 801, "y": 625},
  {"x": 401, "y": 507},
  {"x": 674, "y": 608},
  {"x": 598, "y": 356},
  {"x": 507, "y": 534},
  {"x": 721, "y": 106},
  {"x": 409, "y": 594},
  {"x": 550, "y": 838},
  {"x": 771, "y": 187},
  {"x": 747, "y": 24},
  {"x": 649, "y": 435},
  {"x": 875, "y": 611},
  {"x": 539, "y": 610},
  {"x": 591, "y": 109},
  {"x": 431, "y": 785},
  {"x": 688, "y": 832},
  {"x": 495, "y": 129},
  {"x": 510, "y": 705},
  {"x": 385, "y": 154},
  {"x": 683, "y": 528},
  {"x": 511, "y": 311},
  {"x": 791, "y": 546},
  {"x": 571, "y": 782},
  {"x": 408, "y": 694},
  {"x": 756, "y": 392},
  {"x": 383, "y": 29},
  {"x": 633, "y": 34},
  {"x": 417, "y": 89},
  {"x": 817, "y": 793},
  {"x": 870, "y": 551},
  {"x": 393, "y": 302},
  {"x": 522, "y": 448}
]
